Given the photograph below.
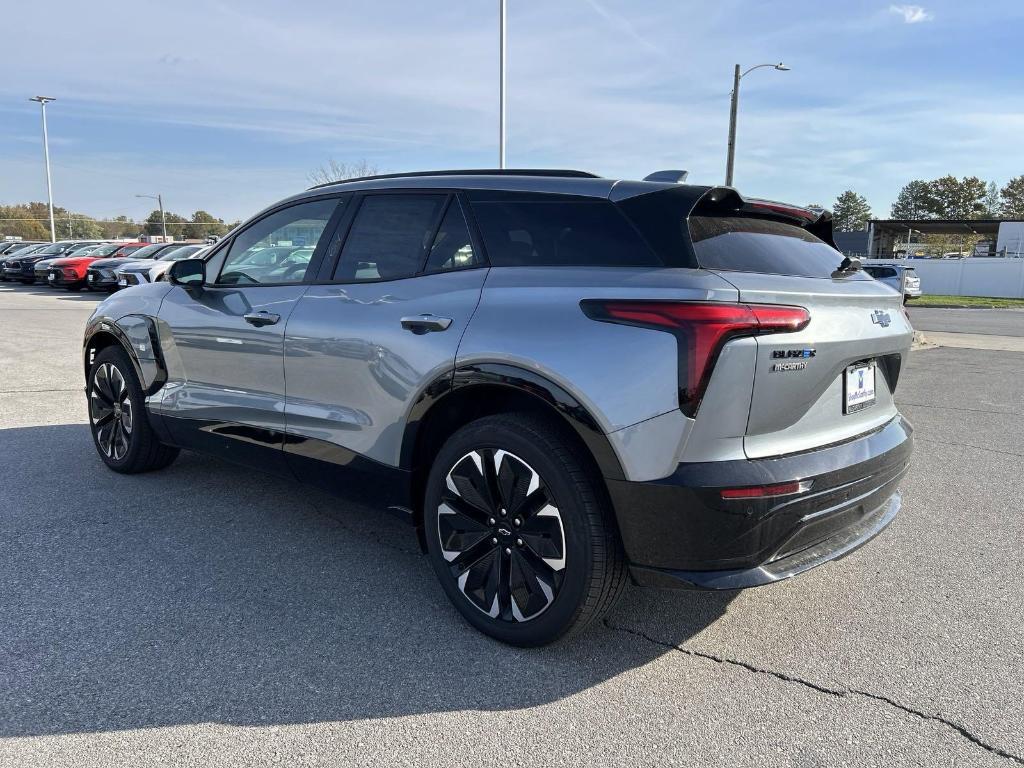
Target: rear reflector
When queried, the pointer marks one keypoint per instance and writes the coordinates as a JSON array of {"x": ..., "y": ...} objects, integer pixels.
[
  {"x": 701, "y": 329},
  {"x": 766, "y": 491}
]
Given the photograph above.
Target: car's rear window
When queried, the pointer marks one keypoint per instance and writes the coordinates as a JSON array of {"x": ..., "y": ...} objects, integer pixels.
[
  {"x": 742, "y": 244},
  {"x": 531, "y": 229}
]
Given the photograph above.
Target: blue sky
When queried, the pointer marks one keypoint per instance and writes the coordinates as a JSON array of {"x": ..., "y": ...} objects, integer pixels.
[{"x": 227, "y": 106}]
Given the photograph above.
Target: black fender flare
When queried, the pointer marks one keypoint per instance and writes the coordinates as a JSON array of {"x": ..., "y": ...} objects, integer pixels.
[
  {"x": 140, "y": 341},
  {"x": 525, "y": 381}
]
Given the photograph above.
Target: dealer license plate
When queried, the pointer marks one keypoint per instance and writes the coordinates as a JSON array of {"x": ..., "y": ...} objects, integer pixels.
[{"x": 859, "y": 392}]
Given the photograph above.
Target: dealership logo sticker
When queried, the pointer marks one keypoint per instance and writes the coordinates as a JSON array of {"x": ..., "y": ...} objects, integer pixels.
[
  {"x": 878, "y": 317},
  {"x": 791, "y": 366}
]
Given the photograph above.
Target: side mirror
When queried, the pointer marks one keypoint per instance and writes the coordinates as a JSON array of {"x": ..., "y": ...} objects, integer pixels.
[{"x": 188, "y": 273}]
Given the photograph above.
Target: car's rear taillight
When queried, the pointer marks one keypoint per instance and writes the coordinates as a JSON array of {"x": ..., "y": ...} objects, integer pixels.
[{"x": 701, "y": 329}]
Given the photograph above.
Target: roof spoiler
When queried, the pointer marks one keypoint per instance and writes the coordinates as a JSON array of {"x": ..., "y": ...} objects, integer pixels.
[
  {"x": 672, "y": 177},
  {"x": 722, "y": 201}
]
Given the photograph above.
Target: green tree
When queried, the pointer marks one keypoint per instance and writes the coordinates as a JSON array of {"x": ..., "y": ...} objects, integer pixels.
[
  {"x": 851, "y": 212},
  {"x": 992, "y": 201},
  {"x": 1011, "y": 199},
  {"x": 912, "y": 202},
  {"x": 28, "y": 221},
  {"x": 952, "y": 198},
  {"x": 204, "y": 225},
  {"x": 154, "y": 224}
]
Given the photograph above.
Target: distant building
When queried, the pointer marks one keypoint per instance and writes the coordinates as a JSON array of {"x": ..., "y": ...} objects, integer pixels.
[{"x": 894, "y": 238}]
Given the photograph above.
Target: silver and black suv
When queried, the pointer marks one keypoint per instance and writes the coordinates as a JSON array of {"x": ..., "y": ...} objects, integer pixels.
[{"x": 561, "y": 380}]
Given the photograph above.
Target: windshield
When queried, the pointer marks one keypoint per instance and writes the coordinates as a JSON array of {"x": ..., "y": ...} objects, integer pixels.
[
  {"x": 82, "y": 250},
  {"x": 125, "y": 250},
  {"x": 54, "y": 250},
  {"x": 106, "y": 250},
  {"x": 150, "y": 251},
  {"x": 180, "y": 253}
]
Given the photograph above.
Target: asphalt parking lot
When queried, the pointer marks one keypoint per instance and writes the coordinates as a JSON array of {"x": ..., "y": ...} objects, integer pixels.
[{"x": 207, "y": 615}]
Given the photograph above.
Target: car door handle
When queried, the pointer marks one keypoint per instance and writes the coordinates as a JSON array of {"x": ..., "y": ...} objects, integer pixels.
[
  {"x": 420, "y": 324},
  {"x": 261, "y": 318}
]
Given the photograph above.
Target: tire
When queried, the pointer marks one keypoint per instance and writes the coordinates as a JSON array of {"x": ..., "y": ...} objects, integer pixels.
[
  {"x": 487, "y": 538},
  {"x": 120, "y": 428}
]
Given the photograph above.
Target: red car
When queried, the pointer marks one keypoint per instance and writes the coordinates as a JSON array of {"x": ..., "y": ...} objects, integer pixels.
[{"x": 70, "y": 272}]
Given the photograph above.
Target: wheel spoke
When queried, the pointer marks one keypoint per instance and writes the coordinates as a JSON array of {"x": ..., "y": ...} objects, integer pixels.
[
  {"x": 466, "y": 510},
  {"x": 532, "y": 585},
  {"x": 467, "y": 481},
  {"x": 104, "y": 436},
  {"x": 491, "y": 478},
  {"x": 515, "y": 480}
]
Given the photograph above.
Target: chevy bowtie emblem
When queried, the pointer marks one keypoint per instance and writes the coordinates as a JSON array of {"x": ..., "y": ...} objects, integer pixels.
[{"x": 881, "y": 318}]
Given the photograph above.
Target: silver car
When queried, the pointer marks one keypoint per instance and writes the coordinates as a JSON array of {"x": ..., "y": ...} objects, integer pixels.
[
  {"x": 899, "y": 277},
  {"x": 562, "y": 381}
]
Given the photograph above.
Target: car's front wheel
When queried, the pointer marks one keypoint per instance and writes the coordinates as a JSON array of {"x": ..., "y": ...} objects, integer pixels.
[
  {"x": 519, "y": 531},
  {"x": 120, "y": 429}
]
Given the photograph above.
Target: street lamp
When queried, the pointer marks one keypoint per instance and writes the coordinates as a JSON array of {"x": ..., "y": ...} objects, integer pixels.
[
  {"x": 163, "y": 219},
  {"x": 737, "y": 76},
  {"x": 501, "y": 85},
  {"x": 46, "y": 154}
]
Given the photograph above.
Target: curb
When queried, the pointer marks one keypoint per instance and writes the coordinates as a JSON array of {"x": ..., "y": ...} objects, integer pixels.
[{"x": 921, "y": 342}]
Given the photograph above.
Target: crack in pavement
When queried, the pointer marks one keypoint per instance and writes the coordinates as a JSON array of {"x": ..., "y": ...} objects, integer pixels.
[
  {"x": 903, "y": 403},
  {"x": 968, "y": 445},
  {"x": 839, "y": 693}
]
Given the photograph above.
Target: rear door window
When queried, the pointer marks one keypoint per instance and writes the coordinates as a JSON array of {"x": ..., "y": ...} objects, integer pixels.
[
  {"x": 743, "y": 244},
  {"x": 390, "y": 236},
  {"x": 534, "y": 230}
]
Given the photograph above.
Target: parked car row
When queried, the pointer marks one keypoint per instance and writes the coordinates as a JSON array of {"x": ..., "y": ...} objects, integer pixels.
[{"x": 98, "y": 265}]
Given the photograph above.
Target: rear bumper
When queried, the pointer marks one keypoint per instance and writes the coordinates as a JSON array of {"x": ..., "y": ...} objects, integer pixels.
[{"x": 679, "y": 532}]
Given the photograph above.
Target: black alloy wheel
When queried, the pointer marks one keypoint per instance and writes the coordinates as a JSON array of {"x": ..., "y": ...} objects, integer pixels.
[
  {"x": 502, "y": 535},
  {"x": 519, "y": 529},
  {"x": 121, "y": 431}
]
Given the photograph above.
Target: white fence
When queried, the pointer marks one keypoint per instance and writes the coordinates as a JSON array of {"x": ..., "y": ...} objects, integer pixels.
[{"x": 1003, "y": 278}]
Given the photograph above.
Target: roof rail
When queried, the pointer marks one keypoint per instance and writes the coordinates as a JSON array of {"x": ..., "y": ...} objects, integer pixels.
[{"x": 471, "y": 172}]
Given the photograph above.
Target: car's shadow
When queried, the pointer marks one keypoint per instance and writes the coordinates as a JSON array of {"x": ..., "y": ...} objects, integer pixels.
[{"x": 207, "y": 592}]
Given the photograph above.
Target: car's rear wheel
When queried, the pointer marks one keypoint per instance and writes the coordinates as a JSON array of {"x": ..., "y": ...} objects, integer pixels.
[
  {"x": 120, "y": 429},
  {"x": 519, "y": 531}
]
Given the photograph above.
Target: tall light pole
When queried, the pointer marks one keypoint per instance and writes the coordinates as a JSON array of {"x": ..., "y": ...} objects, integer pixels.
[
  {"x": 163, "y": 219},
  {"x": 501, "y": 87},
  {"x": 46, "y": 154},
  {"x": 733, "y": 106}
]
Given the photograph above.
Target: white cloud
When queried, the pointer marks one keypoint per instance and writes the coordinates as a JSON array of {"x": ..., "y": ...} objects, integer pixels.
[{"x": 912, "y": 14}]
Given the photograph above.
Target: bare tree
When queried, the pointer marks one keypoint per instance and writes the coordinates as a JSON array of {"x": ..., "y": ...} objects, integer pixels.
[{"x": 335, "y": 171}]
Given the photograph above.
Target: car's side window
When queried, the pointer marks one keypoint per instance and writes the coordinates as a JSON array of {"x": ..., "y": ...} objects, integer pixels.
[
  {"x": 389, "y": 237},
  {"x": 453, "y": 247},
  {"x": 278, "y": 248}
]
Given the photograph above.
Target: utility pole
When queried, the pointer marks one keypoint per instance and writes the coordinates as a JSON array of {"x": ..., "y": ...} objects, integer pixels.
[
  {"x": 501, "y": 86},
  {"x": 163, "y": 219},
  {"x": 734, "y": 107},
  {"x": 42, "y": 100}
]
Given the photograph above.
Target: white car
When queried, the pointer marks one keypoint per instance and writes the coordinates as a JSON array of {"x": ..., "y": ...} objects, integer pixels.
[
  {"x": 150, "y": 271},
  {"x": 901, "y": 278}
]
